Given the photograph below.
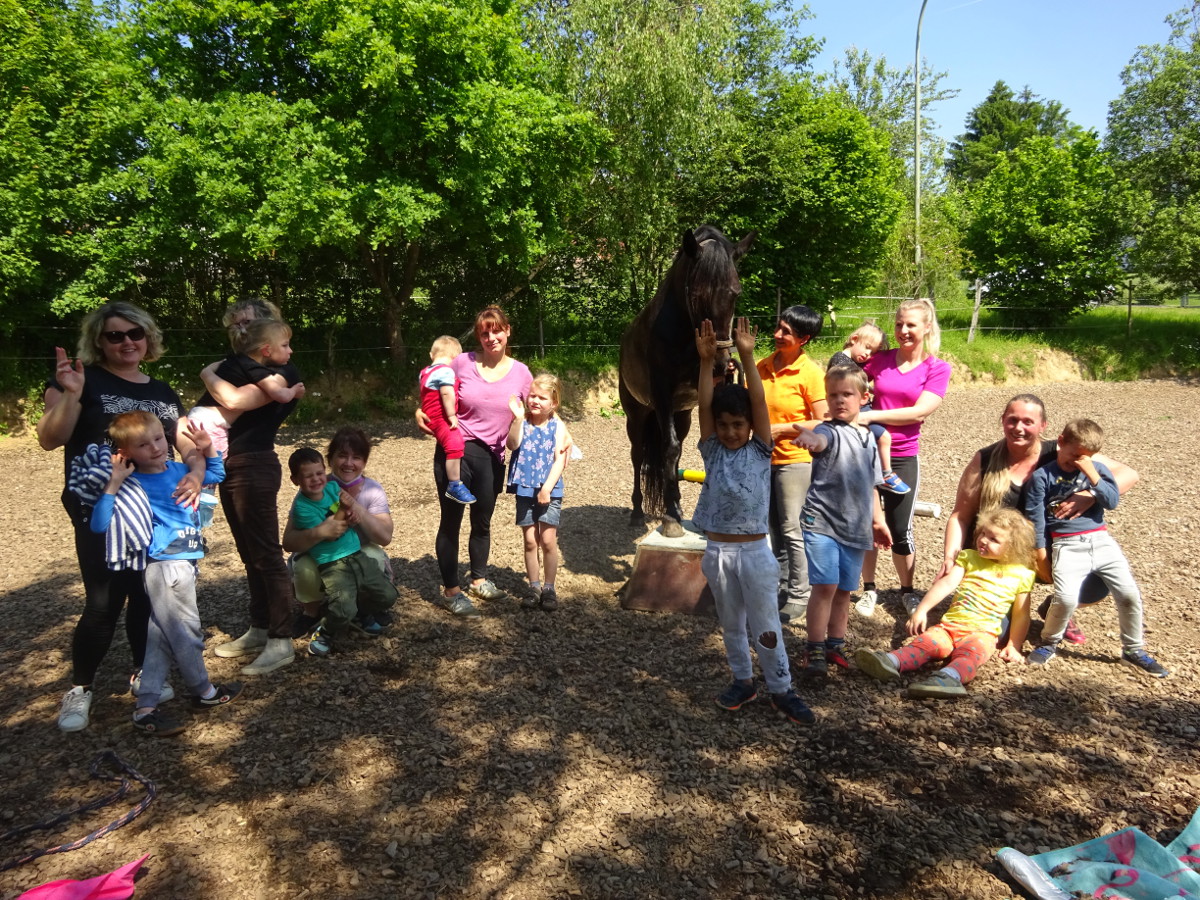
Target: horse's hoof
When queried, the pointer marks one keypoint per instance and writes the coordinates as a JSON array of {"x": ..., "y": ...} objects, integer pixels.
[{"x": 672, "y": 529}]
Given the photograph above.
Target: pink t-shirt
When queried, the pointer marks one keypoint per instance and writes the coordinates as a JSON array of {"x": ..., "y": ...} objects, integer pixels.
[
  {"x": 483, "y": 412},
  {"x": 895, "y": 390}
]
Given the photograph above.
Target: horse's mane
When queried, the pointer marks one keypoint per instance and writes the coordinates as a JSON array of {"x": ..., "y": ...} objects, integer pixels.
[{"x": 713, "y": 265}]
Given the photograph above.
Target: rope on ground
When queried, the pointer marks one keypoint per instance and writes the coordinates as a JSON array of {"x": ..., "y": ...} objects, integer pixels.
[{"x": 110, "y": 758}]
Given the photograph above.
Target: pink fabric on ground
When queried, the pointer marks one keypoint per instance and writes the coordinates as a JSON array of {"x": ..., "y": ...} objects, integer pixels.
[{"x": 116, "y": 885}]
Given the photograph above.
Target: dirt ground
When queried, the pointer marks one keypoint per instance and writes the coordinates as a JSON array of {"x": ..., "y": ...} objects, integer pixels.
[{"x": 579, "y": 753}]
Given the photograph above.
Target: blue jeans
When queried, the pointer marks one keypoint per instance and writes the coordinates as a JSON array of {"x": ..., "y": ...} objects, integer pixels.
[{"x": 744, "y": 579}]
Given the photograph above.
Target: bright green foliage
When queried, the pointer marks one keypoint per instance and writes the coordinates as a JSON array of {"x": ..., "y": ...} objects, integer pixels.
[
  {"x": 1045, "y": 230},
  {"x": 819, "y": 184},
  {"x": 1154, "y": 131},
  {"x": 999, "y": 125}
]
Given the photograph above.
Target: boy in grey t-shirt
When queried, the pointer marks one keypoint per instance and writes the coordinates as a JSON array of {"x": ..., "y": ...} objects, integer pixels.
[
  {"x": 842, "y": 518},
  {"x": 735, "y": 443}
]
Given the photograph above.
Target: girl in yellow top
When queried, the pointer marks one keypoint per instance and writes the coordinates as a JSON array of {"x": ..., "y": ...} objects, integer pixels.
[{"x": 988, "y": 583}]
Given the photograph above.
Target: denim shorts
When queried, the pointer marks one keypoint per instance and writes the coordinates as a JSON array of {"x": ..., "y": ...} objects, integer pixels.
[
  {"x": 530, "y": 512},
  {"x": 830, "y": 562}
]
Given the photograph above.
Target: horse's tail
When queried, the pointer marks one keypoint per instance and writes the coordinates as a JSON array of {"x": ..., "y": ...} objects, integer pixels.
[{"x": 653, "y": 468}]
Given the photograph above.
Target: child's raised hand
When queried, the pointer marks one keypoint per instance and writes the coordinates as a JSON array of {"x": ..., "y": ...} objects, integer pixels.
[
  {"x": 198, "y": 435},
  {"x": 122, "y": 469},
  {"x": 706, "y": 341},
  {"x": 744, "y": 336},
  {"x": 517, "y": 406}
]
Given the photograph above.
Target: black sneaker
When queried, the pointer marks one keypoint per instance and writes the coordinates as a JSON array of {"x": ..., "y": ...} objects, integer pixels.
[
  {"x": 549, "y": 598},
  {"x": 533, "y": 599},
  {"x": 816, "y": 665},
  {"x": 1142, "y": 660},
  {"x": 158, "y": 724},
  {"x": 793, "y": 707},
  {"x": 737, "y": 695},
  {"x": 226, "y": 694}
]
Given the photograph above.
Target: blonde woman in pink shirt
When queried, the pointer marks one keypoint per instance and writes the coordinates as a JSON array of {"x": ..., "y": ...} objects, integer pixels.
[
  {"x": 487, "y": 378},
  {"x": 910, "y": 384}
]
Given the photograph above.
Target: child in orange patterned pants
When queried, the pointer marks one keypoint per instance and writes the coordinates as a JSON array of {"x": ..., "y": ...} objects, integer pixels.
[{"x": 988, "y": 583}]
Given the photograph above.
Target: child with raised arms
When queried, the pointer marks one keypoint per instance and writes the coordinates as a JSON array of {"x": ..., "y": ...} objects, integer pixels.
[
  {"x": 172, "y": 555},
  {"x": 733, "y": 511},
  {"x": 988, "y": 583},
  {"x": 842, "y": 518},
  {"x": 539, "y": 440},
  {"x": 439, "y": 400}
]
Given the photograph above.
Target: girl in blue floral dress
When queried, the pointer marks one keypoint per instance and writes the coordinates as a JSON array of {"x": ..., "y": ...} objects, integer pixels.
[{"x": 539, "y": 441}]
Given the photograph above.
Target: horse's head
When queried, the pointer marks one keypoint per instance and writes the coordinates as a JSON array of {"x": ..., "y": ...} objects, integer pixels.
[{"x": 711, "y": 283}]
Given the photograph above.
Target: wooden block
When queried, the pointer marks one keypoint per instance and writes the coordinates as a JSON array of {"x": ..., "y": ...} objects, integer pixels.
[{"x": 667, "y": 577}]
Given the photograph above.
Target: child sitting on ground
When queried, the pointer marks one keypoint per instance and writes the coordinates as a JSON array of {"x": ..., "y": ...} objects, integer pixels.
[
  {"x": 353, "y": 581},
  {"x": 741, "y": 570},
  {"x": 172, "y": 553},
  {"x": 867, "y": 340},
  {"x": 259, "y": 344},
  {"x": 538, "y": 439},
  {"x": 439, "y": 400},
  {"x": 842, "y": 517},
  {"x": 1082, "y": 545},
  {"x": 988, "y": 583}
]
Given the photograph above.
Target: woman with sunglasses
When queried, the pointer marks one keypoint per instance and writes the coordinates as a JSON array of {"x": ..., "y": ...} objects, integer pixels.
[{"x": 81, "y": 399}]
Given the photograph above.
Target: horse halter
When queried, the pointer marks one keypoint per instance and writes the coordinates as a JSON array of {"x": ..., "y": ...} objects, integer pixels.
[{"x": 687, "y": 297}]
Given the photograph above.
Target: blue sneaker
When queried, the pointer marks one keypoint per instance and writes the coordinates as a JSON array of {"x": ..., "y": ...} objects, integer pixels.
[
  {"x": 1041, "y": 655},
  {"x": 893, "y": 485},
  {"x": 737, "y": 695},
  {"x": 1142, "y": 660},
  {"x": 320, "y": 645},
  {"x": 793, "y": 707},
  {"x": 369, "y": 626},
  {"x": 457, "y": 491}
]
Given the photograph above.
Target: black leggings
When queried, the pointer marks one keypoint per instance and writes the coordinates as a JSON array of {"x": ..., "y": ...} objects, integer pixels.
[
  {"x": 483, "y": 474},
  {"x": 898, "y": 509},
  {"x": 105, "y": 593}
]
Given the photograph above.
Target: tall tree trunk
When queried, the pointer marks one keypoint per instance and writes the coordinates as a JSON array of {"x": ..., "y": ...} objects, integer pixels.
[{"x": 379, "y": 264}]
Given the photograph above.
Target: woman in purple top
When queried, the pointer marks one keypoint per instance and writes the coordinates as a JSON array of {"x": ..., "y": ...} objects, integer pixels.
[
  {"x": 488, "y": 377},
  {"x": 910, "y": 383}
]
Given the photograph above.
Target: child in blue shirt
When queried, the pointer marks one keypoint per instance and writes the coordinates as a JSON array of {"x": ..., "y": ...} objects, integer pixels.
[
  {"x": 174, "y": 548},
  {"x": 353, "y": 581},
  {"x": 1082, "y": 545},
  {"x": 735, "y": 443}
]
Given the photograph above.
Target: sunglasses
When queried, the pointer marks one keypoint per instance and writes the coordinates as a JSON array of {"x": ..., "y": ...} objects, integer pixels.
[{"x": 118, "y": 337}]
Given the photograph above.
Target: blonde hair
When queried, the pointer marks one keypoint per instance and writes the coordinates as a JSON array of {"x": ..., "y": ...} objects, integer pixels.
[
  {"x": 127, "y": 427},
  {"x": 1018, "y": 533},
  {"x": 550, "y": 384},
  {"x": 868, "y": 329},
  {"x": 446, "y": 345},
  {"x": 933, "y": 341},
  {"x": 92, "y": 329},
  {"x": 254, "y": 335},
  {"x": 853, "y": 374},
  {"x": 995, "y": 477},
  {"x": 262, "y": 309},
  {"x": 1084, "y": 432}
]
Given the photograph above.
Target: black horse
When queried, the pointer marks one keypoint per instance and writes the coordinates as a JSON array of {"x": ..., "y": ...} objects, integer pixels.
[{"x": 659, "y": 364}]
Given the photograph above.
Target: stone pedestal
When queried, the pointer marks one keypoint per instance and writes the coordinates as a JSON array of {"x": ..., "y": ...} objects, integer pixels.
[{"x": 667, "y": 577}]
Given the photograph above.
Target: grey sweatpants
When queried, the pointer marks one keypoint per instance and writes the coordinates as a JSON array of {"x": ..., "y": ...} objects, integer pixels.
[
  {"x": 174, "y": 633},
  {"x": 1073, "y": 558}
]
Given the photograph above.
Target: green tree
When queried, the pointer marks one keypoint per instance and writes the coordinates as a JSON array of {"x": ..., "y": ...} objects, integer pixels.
[
  {"x": 999, "y": 125},
  {"x": 373, "y": 131},
  {"x": 1046, "y": 230},
  {"x": 1154, "y": 132}
]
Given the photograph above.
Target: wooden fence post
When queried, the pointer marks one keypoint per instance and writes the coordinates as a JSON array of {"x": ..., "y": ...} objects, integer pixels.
[{"x": 975, "y": 311}]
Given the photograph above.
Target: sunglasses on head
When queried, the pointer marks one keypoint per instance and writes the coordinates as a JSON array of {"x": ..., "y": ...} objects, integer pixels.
[{"x": 118, "y": 337}]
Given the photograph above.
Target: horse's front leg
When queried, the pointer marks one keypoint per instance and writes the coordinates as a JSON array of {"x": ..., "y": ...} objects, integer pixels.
[{"x": 672, "y": 446}]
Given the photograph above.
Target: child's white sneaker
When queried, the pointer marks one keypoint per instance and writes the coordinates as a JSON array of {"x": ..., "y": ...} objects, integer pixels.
[{"x": 866, "y": 603}]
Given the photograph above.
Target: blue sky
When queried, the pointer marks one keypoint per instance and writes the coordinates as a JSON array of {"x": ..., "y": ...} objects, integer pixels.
[{"x": 1072, "y": 51}]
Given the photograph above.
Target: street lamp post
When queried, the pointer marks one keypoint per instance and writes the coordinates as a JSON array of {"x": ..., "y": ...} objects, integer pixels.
[{"x": 917, "y": 139}]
